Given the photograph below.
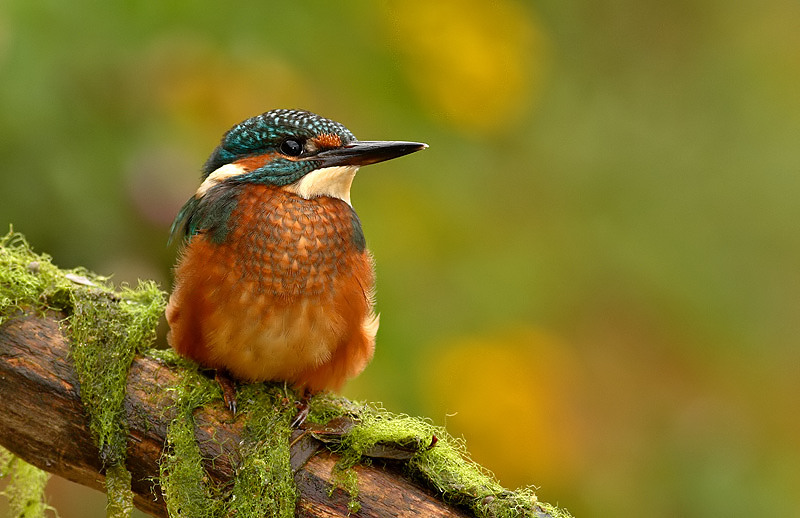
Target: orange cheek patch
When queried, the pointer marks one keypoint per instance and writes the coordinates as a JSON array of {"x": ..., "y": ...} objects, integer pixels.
[
  {"x": 327, "y": 140},
  {"x": 251, "y": 163}
]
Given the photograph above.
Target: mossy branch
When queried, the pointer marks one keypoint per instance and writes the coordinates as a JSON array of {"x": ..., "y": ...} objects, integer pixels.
[
  {"x": 164, "y": 433},
  {"x": 44, "y": 423}
]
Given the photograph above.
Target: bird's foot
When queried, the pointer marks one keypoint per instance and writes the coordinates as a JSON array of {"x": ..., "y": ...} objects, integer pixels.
[
  {"x": 302, "y": 410},
  {"x": 228, "y": 386}
]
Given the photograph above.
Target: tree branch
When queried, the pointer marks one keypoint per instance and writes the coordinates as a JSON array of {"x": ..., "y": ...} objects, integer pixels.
[{"x": 44, "y": 423}]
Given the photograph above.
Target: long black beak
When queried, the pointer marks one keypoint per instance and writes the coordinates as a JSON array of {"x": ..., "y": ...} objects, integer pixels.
[{"x": 363, "y": 152}]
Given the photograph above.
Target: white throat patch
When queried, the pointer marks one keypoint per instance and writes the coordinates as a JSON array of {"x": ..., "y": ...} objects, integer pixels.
[
  {"x": 328, "y": 181},
  {"x": 219, "y": 176}
]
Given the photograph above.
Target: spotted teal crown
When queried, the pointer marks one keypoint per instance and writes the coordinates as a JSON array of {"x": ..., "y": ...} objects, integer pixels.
[{"x": 264, "y": 134}]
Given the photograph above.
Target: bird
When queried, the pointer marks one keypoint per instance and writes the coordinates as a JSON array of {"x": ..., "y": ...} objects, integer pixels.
[{"x": 274, "y": 281}]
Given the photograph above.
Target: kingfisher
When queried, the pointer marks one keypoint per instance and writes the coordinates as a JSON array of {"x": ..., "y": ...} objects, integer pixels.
[{"x": 274, "y": 281}]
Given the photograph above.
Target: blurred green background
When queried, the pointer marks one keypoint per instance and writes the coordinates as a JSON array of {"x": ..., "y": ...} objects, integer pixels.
[{"x": 591, "y": 275}]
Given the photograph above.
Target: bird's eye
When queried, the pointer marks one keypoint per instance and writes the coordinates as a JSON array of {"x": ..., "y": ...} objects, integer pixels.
[{"x": 291, "y": 147}]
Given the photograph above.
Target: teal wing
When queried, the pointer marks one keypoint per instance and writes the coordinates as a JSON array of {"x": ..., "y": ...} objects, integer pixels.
[
  {"x": 183, "y": 221},
  {"x": 209, "y": 214}
]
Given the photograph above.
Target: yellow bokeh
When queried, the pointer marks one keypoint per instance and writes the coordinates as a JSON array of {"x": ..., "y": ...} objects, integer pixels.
[
  {"x": 203, "y": 89},
  {"x": 478, "y": 65},
  {"x": 511, "y": 396}
]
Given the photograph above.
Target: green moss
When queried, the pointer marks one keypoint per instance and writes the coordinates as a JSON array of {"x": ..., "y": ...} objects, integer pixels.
[
  {"x": 186, "y": 488},
  {"x": 346, "y": 479},
  {"x": 326, "y": 406},
  {"x": 185, "y": 485},
  {"x": 25, "y": 489},
  {"x": 5, "y": 461},
  {"x": 264, "y": 485},
  {"x": 108, "y": 328},
  {"x": 118, "y": 489},
  {"x": 31, "y": 280},
  {"x": 434, "y": 457}
]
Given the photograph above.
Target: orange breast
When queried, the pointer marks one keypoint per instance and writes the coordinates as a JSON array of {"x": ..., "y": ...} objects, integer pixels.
[{"x": 287, "y": 296}]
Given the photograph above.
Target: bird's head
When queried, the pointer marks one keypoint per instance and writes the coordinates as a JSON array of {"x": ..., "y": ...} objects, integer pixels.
[
  {"x": 307, "y": 154},
  {"x": 296, "y": 150}
]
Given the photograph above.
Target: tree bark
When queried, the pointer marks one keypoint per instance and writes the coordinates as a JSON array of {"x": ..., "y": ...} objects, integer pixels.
[{"x": 44, "y": 423}]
